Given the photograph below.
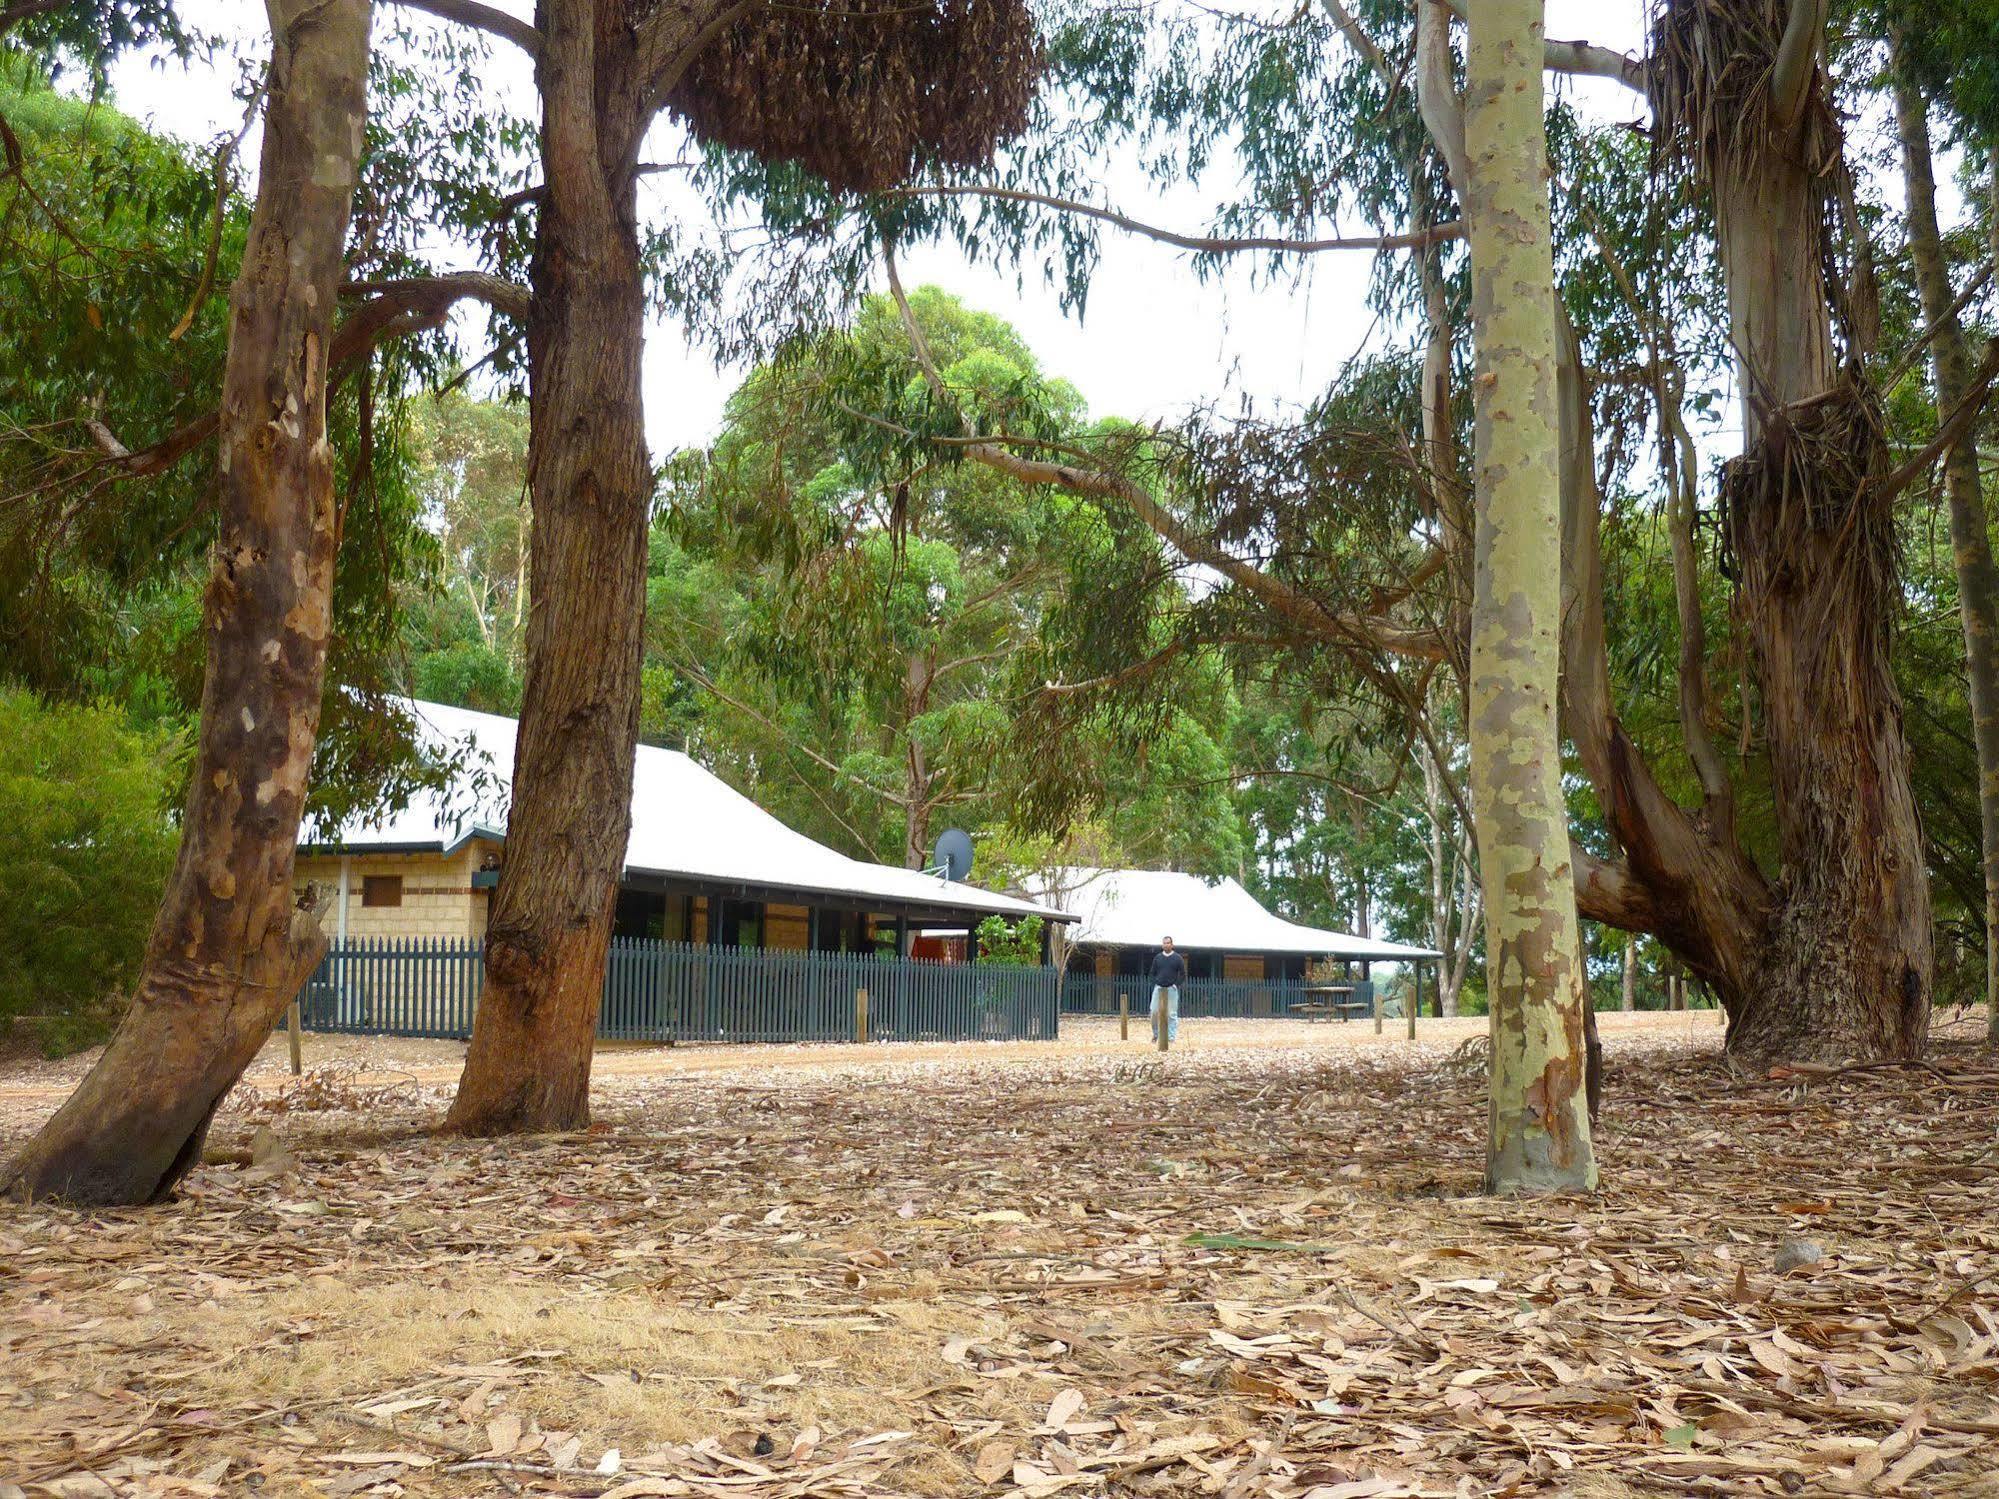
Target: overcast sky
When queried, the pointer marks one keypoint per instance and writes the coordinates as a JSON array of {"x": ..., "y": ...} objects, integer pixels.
[{"x": 1156, "y": 340}]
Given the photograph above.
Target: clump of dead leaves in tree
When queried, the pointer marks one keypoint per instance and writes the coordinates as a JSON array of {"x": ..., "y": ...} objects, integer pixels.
[{"x": 1256, "y": 1274}]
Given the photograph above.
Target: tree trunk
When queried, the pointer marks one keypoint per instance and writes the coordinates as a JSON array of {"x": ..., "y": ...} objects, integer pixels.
[
  {"x": 228, "y": 950},
  {"x": 1831, "y": 959},
  {"x": 1630, "y": 995},
  {"x": 1464, "y": 881},
  {"x": 590, "y": 480},
  {"x": 915, "y": 763},
  {"x": 1687, "y": 879},
  {"x": 1971, "y": 544},
  {"x": 1451, "y": 887},
  {"x": 1845, "y": 969},
  {"x": 1539, "y": 1117}
]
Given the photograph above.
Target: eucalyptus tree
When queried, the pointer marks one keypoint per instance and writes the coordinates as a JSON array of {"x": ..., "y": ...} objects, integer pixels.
[
  {"x": 228, "y": 948},
  {"x": 883, "y": 601},
  {"x": 468, "y": 473},
  {"x": 1732, "y": 252},
  {"x": 887, "y": 610},
  {"x": 1539, "y": 1133},
  {"x": 1956, "y": 383},
  {"x": 777, "y": 84}
]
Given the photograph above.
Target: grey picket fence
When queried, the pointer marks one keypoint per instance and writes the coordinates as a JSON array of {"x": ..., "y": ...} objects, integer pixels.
[
  {"x": 678, "y": 991},
  {"x": 1222, "y": 999}
]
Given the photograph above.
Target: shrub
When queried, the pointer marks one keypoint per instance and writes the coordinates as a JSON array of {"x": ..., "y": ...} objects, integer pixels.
[
  {"x": 86, "y": 843},
  {"x": 1013, "y": 943}
]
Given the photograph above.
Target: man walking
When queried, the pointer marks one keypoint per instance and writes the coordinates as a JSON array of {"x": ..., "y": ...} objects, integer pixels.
[{"x": 1169, "y": 972}]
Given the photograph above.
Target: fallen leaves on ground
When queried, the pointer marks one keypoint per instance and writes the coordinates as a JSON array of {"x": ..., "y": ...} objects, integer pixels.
[{"x": 1257, "y": 1273}]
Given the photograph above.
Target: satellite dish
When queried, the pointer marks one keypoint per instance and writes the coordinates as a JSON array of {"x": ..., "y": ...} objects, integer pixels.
[{"x": 953, "y": 856}]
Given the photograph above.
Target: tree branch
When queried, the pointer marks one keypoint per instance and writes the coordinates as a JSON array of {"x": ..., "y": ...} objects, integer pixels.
[
  {"x": 1209, "y": 244},
  {"x": 224, "y": 155},
  {"x": 1682, "y": 505},
  {"x": 1606, "y": 891},
  {"x": 418, "y": 293},
  {"x": 27, "y": 10},
  {"x": 1955, "y": 426},
  {"x": 1797, "y": 62},
  {"x": 1278, "y": 596},
  {"x": 666, "y": 49},
  {"x": 487, "y": 18},
  {"x": 514, "y": 201},
  {"x": 1157, "y": 659},
  {"x": 706, "y": 683},
  {"x": 1586, "y": 59},
  {"x": 396, "y": 308},
  {"x": 1666, "y": 382},
  {"x": 1357, "y": 36},
  {"x": 1917, "y": 350},
  {"x": 1437, "y": 91}
]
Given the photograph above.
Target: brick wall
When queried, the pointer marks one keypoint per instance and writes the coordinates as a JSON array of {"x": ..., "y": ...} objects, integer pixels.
[{"x": 437, "y": 897}]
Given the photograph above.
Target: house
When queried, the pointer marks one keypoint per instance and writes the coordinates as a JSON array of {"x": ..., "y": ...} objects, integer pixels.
[
  {"x": 704, "y": 863},
  {"x": 1221, "y": 929}
]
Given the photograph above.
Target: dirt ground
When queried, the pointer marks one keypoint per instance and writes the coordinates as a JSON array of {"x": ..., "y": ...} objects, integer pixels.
[
  {"x": 1258, "y": 1268},
  {"x": 29, "y": 1088}
]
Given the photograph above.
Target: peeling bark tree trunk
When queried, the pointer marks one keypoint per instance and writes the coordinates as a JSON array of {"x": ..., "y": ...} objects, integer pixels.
[
  {"x": 1846, "y": 964},
  {"x": 1630, "y": 995},
  {"x": 1831, "y": 959},
  {"x": 1539, "y": 1118},
  {"x": 528, "y": 1067},
  {"x": 1971, "y": 545},
  {"x": 228, "y": 950}
]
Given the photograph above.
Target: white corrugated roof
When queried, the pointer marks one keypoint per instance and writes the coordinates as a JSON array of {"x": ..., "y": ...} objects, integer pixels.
[
  {"x": 1137, "y": 907},
  {"x": 687, "y": 823}
]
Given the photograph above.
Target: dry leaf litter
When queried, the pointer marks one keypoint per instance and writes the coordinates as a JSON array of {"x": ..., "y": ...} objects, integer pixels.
[{"x": 1258, "y": 1269}]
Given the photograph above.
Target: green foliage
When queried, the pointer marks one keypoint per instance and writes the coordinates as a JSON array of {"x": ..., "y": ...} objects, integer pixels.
[
  {"x": 1953, "y": 45},
  {"x": 1014, "y": 944},
  {"x": 86, "y": 842},
  {"x": 862, "y": 627},
  {"x": 463, "y": 627},
  {"x": 113, "y": 330},
  {"x": 468, "y": 675},
  {"x": 103, "y": 234},
  {"x": 86, "y": 35}
]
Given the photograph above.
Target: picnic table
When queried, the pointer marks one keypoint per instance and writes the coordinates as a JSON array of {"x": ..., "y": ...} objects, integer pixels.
[{"x": 1339, "y": 1002}]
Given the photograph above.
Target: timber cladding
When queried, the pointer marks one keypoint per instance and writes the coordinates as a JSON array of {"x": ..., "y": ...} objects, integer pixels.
[
  {"x": 1242, "y": 967},
  {"x": 787, "y": 927},
  {"x": 400, "y": 895}
]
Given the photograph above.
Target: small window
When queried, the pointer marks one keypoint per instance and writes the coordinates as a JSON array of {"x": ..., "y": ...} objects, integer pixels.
[{"x": 382, "y": 890}]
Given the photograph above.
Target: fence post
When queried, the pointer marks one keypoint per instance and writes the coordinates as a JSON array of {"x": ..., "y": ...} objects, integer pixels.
[
  {"x": 861, "y": 1016},
  {"x": 1413, "y": 1004},
  {"x": 1124, "y": 1017},
  {"x": 292, "y": 1028},
  {"x": 1160, "y": 1034},
  {"x": 1377, "y": 1009}
]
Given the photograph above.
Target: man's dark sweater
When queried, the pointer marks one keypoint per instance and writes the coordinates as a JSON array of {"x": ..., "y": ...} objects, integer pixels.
[{"x": 1169, "y": 970}]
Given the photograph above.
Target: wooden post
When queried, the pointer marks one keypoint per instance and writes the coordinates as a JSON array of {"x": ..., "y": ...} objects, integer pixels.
[
  {"x": 1161, "y": 1036},
  {"x": 1377, "y": 1008},
  {"x": 1414, "y": 1003},
  {"x": 861, "y": 1016},
  {"x": 292, "y": 1029},
  {"x": 1124, "y": 1017}
]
